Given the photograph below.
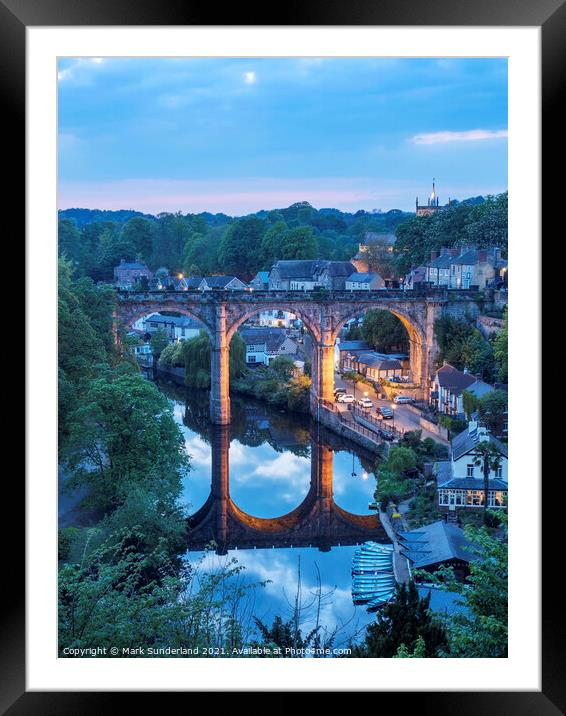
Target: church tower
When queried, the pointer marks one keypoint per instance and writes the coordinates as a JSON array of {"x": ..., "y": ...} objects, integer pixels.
[{"x": 432, "y": 206}]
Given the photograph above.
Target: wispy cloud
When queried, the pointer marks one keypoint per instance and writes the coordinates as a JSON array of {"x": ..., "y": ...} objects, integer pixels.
[
  {"x": 81, "y": 63},
  {"x": 470, "y": 135},
  {"x": 250, "y": 78}
]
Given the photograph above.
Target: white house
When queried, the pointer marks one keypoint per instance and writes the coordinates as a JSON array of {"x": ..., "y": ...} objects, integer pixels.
[
  {"x": 277, "y": 319},
  {"x": 447, "y": 386},
  {"x": 460, "y": 482},
  {"x": 364, "y": 282},
  {"x": 224, "y": 283},
  {"x": 265, "y": 344},
  {"x": 176, "y": 327}
]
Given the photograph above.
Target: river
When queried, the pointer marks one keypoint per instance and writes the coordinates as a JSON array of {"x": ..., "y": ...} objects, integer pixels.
[{"x": 281, "y": 495}]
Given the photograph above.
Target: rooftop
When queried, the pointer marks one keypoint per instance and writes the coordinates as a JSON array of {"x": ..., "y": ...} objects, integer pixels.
[
  {"x": 435, "y": 543},
  {"x": 467, "y": 440},
  {"x": 454, "y": 379}
]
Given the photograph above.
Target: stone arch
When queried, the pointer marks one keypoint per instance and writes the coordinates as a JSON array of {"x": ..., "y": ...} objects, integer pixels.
[
  {"x": 244, "y": 314},
  {"x": 412, "y": 324},
  {"x": 129, "y": 314}
]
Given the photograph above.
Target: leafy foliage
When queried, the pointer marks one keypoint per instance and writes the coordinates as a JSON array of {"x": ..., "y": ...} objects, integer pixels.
[
  {"x": 384, "y": 332},
  {"x": 405, "y": 624},
  {"x": 480, "y": 631}
]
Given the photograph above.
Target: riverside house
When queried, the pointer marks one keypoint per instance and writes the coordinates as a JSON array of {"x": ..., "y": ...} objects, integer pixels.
[{"x": 459, "y": 481}]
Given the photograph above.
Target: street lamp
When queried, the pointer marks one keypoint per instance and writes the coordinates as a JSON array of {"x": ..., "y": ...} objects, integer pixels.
[
  {"x": 354, "y": 473},
  {"x": 393, "y": 408}
]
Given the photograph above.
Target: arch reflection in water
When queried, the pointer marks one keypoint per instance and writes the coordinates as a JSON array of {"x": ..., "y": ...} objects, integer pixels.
[{"x": 317, "y": 522}]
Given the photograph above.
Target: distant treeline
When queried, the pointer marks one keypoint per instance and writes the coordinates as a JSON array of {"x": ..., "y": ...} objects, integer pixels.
[{"x": 201, "y": 244}]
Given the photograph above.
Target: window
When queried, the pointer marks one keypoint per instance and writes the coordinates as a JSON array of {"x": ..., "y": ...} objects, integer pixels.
[
  {"x": 499, "y": 471},
  {"x": 470, "y": 470}
]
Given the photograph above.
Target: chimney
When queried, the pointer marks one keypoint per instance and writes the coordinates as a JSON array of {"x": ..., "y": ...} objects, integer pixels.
[
  {"x": 482, "y": 256},
  {"x": 433, "y": 255},
  {"x": 443, "y": 250},
  {"x": 454, "y": 252}
]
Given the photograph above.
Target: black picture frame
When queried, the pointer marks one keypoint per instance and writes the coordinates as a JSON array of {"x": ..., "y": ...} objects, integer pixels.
[{"x": 15, "y": 16}]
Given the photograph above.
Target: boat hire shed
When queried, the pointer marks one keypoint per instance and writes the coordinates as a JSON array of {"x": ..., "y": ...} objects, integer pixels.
[{"x": 440, "y": 543}]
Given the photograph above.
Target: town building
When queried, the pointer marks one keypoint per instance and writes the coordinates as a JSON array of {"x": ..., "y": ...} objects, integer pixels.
[
  {"x": 414, "y": 279},
  {"x": 260, "y": 282},
  {"x": 364, "y": 282},
  {"x": 463, "y": 267},
  {"x": 306, "y": 275},
  {"x": 460, "y": 482},
  {"x": 448, "y": 385},
  {"x": 265, "y": 344},
  {"x": 176, "y": 327},
  {"x": 128, "y": 273},
  {"x": 278, "y": 318},
  {"x": 222, "y": 283},
  {"x": 375, "y": 366},
  {"x": 346, "y": 351},
  {"x": 440, "y": 544},
  {"x": 432, "y": 205}
]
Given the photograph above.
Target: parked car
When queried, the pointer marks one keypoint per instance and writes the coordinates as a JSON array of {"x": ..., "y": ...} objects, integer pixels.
[
  {"x": 339, "y": 391},
  {"x": 403, "y": 399},
  {"x": 365, "y": 403},
  {"x": 346, "y": 398},
  {"x": 384, "y": 411}
]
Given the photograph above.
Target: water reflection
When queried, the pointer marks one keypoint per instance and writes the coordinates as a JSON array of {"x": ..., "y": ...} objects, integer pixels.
[
  {"x": 275, "y": 480},
  {"x": 285, "y": 488},
  {"x": 316, "y": 522}
]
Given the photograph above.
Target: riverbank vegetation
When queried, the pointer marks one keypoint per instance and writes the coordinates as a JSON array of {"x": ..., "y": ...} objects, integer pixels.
[
  {"x": 280, "y": 384},
  {"x": 401, "y": 475}
]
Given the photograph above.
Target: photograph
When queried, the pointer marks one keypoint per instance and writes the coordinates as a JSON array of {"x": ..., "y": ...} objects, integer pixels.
[{"x": 283, "y": 357}]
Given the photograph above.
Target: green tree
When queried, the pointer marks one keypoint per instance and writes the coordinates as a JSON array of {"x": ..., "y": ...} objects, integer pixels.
[
  {"x": 384, "y": 331},
  {"x": 70, "y": 244},
  {"x": 240, "y": 247},
  {"x": 283, "y": 366},
  {"x": 300, "y": 244},
  {"x": 500, "y": 350},
  {"x": 492, "y": 408},
  {"x": 488, "y": 457},
  {"x": 139, "y": 231},
  {"x": 400, "y": 623},
  {"x": 158, "y": 342},
  {"x": 401, "y": 460},
  {"x": 123, "y": 434},
  {"x": 272, "y": 244},
  {"x": 480, "y": 629},
  {"x": 469, "y": 402},
  {"x": 419, "y": 651},
  {"x": 112, "y": 248},
  {"x": 477, "y": 356},
  {"x": 169, "y": 239},
  {"x": 237, "y": 358}
]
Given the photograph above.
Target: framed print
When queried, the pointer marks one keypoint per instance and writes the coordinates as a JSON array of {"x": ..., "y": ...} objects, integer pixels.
[{"x": 275, "y": 266}]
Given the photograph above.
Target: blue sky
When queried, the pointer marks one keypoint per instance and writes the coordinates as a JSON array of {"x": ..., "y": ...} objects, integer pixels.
[{"x": 237, "y": 135}]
